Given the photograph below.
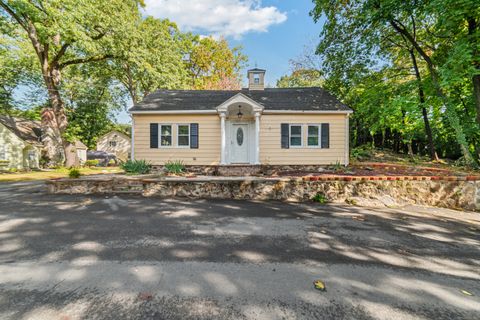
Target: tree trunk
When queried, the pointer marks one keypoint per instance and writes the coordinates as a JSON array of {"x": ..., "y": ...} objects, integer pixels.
[
  {"x": 476, "y": 94},
  {"x": 55, "y": 122},
  {"x": 421, "y": 97},
  {"x": 449, "y": 110}
]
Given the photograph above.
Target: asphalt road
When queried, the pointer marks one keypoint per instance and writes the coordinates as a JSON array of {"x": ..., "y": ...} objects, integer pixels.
[{"x": 127, "y": 257}]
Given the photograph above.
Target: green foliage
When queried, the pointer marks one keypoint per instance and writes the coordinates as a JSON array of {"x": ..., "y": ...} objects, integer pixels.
[
  {"x": 301, "y": 78},
  {"x": 361, "y": 153},
  {"x": 74, "y": 173},
  {"x": 175, "y": 166},
  {"x": 91, "y": 163},
  {"x": 212, "y": 62},
  {"x": 136, "y": 167},
  {"x": 404, "y": 66},
  {"x": 320, "y": 198}
]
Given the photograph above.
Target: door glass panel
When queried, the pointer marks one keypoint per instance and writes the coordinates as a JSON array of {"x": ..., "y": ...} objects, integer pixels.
[{"x": 239, "y": 136}]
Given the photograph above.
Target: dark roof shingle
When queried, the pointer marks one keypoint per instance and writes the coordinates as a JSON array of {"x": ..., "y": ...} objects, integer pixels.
[
  {"x": 285, "y": 99},
  {"x": 28, "y": 130}
]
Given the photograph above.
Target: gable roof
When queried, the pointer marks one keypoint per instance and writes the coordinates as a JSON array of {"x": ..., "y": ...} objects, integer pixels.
[
  {"x": 118, "y": 133},
  {"x": 284, "y": 99},
  {"x": 29, "y": 131}
]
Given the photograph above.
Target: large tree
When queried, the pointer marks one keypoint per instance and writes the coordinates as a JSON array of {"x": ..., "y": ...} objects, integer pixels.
[
  {"x": 156, "y": 59},
  {"x": 212, "y": 64},
  {"x": 366, "y": 35},
  {"x": 64, "y": 33}
]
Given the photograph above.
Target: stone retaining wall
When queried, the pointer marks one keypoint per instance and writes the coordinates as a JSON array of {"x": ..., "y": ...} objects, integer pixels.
[{"x": 449, "y": 194}]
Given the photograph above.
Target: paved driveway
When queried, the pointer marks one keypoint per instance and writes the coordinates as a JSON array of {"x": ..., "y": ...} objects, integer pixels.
[{"x": 89, "y": 257}]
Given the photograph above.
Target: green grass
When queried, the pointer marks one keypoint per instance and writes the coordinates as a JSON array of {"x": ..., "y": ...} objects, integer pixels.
[{"x": 53, "y": 174}]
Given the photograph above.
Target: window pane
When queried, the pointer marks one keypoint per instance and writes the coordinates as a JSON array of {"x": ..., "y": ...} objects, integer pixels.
[
  {"x": 183, "y": 140},
  {"x": 313, "y": 141},
  {"x": 313, "y": 130},
  {"x": 295, "y": 130},
  {"x": 183, "y": 130},
  {"x": 166, "y": 130},
  {"x": 166, "y": 140},
  {"x": 295, "y": 141}
]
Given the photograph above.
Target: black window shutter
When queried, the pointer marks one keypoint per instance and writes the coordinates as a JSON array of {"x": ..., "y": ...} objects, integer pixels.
[
  {"x": 153, "y": 135},
  {"x": 325, "y": 135},
  {"x": 193, "y": 135},
  {"x": 285, "y": 136}
]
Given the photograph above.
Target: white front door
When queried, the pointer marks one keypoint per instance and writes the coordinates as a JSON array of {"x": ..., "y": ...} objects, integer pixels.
[{"x": 239, "y": 143}]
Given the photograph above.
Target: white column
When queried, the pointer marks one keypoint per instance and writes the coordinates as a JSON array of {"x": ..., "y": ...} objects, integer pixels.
[
  {"x": 223, "y": 139},
  {"x": 257, "y": 137},
  {"x": 132, "y": 142},
  {"x": 347, "y": 140}
]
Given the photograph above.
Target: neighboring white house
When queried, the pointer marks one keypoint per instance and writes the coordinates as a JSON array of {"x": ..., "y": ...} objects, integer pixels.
[
  {"x": 20, "y": 143},
  {"x": 116, "y": 143},
  {"x": 81, "y": 151}
]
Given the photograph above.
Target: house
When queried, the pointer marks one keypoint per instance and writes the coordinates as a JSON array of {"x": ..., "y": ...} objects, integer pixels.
[
  {"x": 252, "y": 126},
  {"x": 116, "y": 143},
  {"x": 20, "y": 143},
  {"x": 81, "y": 152}
]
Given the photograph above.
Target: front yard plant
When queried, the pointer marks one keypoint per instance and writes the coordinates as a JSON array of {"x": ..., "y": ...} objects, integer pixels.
[
  {"x": 136, "y": 167},
  {"x": 174, "y": 167},
  {"x": 74, "y": 173},
  {"x": 320, "y": 198},
  {"x": 91, "y": 163}
]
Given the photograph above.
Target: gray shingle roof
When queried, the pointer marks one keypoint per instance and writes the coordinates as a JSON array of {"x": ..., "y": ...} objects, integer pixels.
[
  {"x": 295, "y": 99},
  {"x": 28, "y": 130}
]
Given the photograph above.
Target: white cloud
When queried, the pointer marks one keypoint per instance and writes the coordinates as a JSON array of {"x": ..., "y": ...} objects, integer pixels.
[{"x": 217, "y": 17}]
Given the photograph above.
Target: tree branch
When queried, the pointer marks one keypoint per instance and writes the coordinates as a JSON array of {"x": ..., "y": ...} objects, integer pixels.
[
  {"x": 14, "y": 15},
  {"x": 60, "y": 53},
  {"x": 85, "y": 60}
]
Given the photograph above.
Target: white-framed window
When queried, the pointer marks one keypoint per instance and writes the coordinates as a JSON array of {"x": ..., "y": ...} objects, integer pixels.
[
  {"x": 3, "y": 153},
  {"x": 256, "y": 78},
  {"x": 296, "y": 139},
  {"x": 112, "y": 143},
  {"x": 165, "y": 135},
  {"x": 183, "y": 135},
  {"x": 314, "y": 135}
]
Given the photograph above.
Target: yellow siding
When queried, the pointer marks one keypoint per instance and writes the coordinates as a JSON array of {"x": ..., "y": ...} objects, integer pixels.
[
  {"x": 208, "y": 152},
  {"x": 121, "y": 150},
  {"x": 270, "y": 147},
  {"x": 16, "y": 151},
  {"x": 270, "y": 135}
]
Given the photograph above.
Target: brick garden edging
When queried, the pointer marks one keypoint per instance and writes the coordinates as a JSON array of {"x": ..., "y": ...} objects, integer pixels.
[{"x": 445, "y": 192}]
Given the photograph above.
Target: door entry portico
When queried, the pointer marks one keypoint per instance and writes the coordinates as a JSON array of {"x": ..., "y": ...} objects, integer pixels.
[{"x": 240, "y": 130}]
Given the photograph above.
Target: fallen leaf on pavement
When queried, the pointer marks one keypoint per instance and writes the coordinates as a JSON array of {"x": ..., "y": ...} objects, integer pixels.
[
  {"x": 319, "y": 285},
  {"x": 146, "y": 296},
  {"x": 358, "y": 218},
  {"x": 465, "y": 292}
]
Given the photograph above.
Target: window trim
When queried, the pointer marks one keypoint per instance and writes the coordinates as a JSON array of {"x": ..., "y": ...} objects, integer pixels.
[
  {"x": 188, "y": 135},
  {"x": 256, "y": 78},
  {"x": 319, "y": 126},
  {"x": 160, "y": 125},
  {"x": 290, "y": 125},
  {"x": 110, "y": 143}
]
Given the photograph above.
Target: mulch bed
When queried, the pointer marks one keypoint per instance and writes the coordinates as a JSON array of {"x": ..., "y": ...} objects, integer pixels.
[{"x": 383, "y": 171}]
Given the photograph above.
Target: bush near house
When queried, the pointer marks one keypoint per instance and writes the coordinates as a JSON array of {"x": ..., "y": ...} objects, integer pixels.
[
  {"x": 174, "y": 166},
  {"x": 136, "y": 167},
  {"x": 91, "y": 163}
]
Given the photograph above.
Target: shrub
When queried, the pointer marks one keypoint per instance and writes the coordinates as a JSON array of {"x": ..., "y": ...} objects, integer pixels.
[
  {"x": 361, "y": 153},
  {"x": 74, "y": 173},
  {"x": 136, "y": 167},
  {"x": 175, "y": 166},
  {"x": 91, "y": 163},
  {"x": 320, "y": 198}
]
